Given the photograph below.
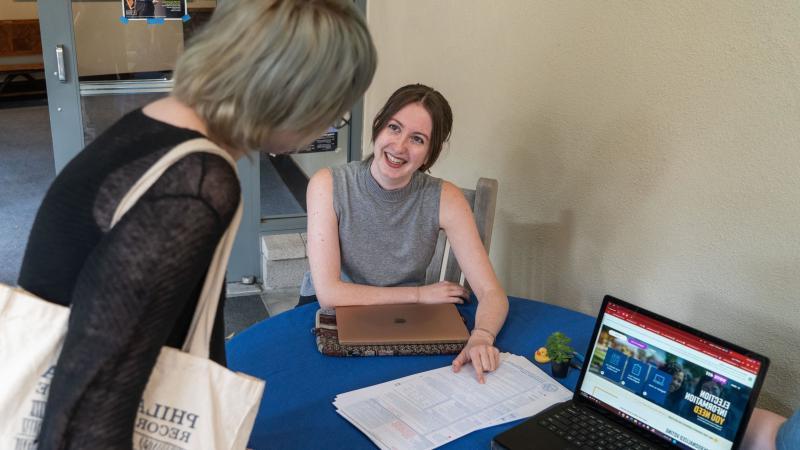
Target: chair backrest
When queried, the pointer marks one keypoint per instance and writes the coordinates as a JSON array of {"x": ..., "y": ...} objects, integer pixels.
[{"x": 483, "y": 200}]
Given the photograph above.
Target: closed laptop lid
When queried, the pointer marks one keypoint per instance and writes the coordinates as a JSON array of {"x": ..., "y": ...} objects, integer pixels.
[
  {"x": 400, "y": 324},
  {"x": 684, "y": 386}
]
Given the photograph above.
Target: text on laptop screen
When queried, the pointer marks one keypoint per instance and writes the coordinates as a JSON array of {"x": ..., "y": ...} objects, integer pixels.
[{"x": 674, "y": 384}]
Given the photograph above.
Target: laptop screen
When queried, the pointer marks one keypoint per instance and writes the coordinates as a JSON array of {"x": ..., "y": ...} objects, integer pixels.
[{"x": 670, "y": 381}]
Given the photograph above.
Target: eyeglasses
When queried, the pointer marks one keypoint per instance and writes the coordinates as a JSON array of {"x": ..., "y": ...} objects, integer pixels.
[{"x": 343, "y": 121}]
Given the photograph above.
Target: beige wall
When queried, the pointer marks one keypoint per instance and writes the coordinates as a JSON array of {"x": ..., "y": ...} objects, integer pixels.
[{"x": 647, "y": 149}]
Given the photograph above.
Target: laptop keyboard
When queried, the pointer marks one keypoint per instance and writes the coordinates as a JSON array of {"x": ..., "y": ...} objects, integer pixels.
[{"x": 584, "y": 429}]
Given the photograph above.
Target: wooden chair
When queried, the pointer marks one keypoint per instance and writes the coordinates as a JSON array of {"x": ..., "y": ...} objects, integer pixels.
[{"x": 483, "y": 200}]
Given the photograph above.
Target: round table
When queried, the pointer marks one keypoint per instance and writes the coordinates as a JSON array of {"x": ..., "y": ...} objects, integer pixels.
[{"x": 296, "y": 410}]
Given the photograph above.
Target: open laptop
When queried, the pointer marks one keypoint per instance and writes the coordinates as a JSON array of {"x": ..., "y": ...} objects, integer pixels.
[
  {"x": 400, "y": 324},
  {"x": 649, "y": 382}
]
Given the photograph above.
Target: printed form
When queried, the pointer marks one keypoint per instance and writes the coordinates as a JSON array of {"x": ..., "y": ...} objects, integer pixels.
[{"x": 429, "y": 409}]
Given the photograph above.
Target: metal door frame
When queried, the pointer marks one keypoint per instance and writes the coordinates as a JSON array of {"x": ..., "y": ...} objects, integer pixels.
[{"x": 63, "y": 98}]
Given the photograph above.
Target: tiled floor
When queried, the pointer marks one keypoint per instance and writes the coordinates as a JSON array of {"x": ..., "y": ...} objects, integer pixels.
[
  {"x": 243, "y": 312},
  {"x": 247, "y": 305}
]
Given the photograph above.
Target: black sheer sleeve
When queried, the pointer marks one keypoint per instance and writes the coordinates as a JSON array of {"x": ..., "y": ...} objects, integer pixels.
[{"x": 132, "y": 291}]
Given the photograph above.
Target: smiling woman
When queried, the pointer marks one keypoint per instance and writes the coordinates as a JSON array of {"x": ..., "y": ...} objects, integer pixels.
[
  {"x": 373, "y": 225},
  {"x": 439, "y": 117},
  {"x": 401, "y": 147}
]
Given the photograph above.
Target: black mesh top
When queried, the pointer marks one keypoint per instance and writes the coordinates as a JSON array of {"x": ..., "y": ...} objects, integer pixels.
[{"x": 133, "y": 288}]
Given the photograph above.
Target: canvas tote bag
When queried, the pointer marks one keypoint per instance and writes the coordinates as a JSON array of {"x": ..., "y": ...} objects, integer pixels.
[{"x": 190, "y": 402}]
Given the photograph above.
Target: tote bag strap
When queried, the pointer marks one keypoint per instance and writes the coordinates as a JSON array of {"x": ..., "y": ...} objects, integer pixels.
[{"x": 199, "y": 336}]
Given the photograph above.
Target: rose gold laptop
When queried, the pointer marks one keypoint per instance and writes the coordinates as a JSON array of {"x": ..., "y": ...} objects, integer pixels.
[{"x": 400, "y": 324}]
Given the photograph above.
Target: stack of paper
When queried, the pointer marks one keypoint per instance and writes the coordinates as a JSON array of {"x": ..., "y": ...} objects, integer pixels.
[{"x": 429, "y": 409}]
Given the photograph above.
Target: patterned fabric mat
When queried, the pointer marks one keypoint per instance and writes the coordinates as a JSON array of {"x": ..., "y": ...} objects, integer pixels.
[{"x": 328, "y": 342}]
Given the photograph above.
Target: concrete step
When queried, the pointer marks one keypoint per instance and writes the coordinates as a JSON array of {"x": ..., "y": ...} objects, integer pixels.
[
  {"x": 278, "y": 247},
  {"x": 279, "y": 300},
  {"x": 284, "y": 260},
  {"x": 237, "y": 289}
]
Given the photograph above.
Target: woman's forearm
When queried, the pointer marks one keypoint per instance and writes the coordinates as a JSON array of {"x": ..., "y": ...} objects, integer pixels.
[
  {"x": 340, "y": 293},
  {"x": 492, "y": 311}
]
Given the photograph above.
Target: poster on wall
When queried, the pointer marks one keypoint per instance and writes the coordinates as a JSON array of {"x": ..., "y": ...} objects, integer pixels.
[
  {"x": 153, "y": 9},
  {"x": 328, "y": 142}
]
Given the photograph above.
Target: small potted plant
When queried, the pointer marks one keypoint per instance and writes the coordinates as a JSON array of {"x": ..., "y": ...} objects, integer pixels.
[{"x": 560, "y": 353}]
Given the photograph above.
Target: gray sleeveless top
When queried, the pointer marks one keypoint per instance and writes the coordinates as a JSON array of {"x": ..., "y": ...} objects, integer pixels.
[{"x": 386, "y": 238}]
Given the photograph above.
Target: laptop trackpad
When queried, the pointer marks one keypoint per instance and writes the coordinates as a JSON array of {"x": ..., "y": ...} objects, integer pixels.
[{"x": 531, "y": 435}]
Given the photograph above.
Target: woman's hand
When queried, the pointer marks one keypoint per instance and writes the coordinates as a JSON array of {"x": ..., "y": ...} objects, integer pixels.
[
  {"x": 442, "y": 292},
  {"x": 480, "y": 350}
]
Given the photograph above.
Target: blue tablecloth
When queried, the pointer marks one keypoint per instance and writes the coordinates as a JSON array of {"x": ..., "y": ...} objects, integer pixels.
[{"x": 297, "y": 411}]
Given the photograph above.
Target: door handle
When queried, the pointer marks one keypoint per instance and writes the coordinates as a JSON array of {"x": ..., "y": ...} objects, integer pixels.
[{"x": 62, "y": 72}]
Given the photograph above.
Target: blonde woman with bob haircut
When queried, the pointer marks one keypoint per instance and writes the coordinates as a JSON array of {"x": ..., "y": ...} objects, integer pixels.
[{"x": 264, "y": 75}]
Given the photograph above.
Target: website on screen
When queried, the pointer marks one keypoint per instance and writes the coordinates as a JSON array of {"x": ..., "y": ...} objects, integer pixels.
[{"x": 678, "y": 386}]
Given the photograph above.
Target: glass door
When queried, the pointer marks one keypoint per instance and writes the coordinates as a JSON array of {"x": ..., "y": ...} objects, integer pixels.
[
  {"x": 99, "y": 66},
  {"x": 100, "y": 63},
  {"x": 284, "y": 179}
]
